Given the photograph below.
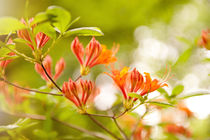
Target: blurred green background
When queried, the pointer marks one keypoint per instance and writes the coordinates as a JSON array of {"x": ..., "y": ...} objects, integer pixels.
[
  {"x": 117, "y": 19},
  {"x": 172, "y": 24}
]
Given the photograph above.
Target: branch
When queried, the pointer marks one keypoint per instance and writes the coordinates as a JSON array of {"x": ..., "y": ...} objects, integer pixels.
[
  {"x": 100, "y": 125},
  {"x": 42, "y": 118},
  {"x": 136, "y": 125},
  {"x": 121, "y": 114},
  {"x": 121, "y": 131},
  {"x": 80, "y": 76},
  {"x": 51, "y": 78},
  {"x": 95, "y": 134},
  {"x": 27, "y": 89},
  {"x": 99, "y": 115}
]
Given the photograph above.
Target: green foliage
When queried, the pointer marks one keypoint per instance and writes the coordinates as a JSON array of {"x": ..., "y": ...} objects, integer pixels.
[
  {"x": 161, "y": 104},
  {"x": 61, "y": 17},
  {"x": 163, "y": 92},
  {"x": 10, "y": 25},
  {"x": 193, "y": 95},
  {"x": 177, "y": 90},
  {"x": 84, "y": 31}
]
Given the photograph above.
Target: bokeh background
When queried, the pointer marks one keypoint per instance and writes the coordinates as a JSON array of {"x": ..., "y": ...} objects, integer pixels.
[{"x": 152, "y": 34}]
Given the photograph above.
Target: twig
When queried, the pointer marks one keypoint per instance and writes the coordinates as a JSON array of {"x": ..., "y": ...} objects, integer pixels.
[
  {"x": 80, "y": 76},
  {"x": 51, "y": 78},
  {"x": 27, "y": 89},
  {"x": 100, "y": 125},
  {"x": 96, "y": 134},
  {"x": 121, "y": 131},
  {"x": 99, "y": 115},
  {"x": 137, "y": 123},
  {"x": 42, "y": 118},
  {"x": 121, "y": 114}
]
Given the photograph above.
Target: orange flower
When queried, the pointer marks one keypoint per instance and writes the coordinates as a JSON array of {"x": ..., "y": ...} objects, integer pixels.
[
  {"x": 134, "y": 82},
  {"x": 120, "y": 78},
  {"x": 205, "y": 39},
  {"x": 40, "y": 38},
  {"x": 60, "y": 65},
  {"x": 79, "y": 92},
  {"x": 93, "y": 54}
]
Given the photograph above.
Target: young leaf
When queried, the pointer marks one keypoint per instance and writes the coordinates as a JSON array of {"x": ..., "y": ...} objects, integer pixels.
[
  {"x": 45, "y": 28},
  {"x": 177, "y": 90},
  {"x": 74, "y": 21},
  {"x": 160, "y": 104},
  {"x": 84, "y": 31},
  {"x": 134, "y": 95},
  {"x": 163, "y": 92},
  {"x": 193, "y": 95},
  {"x": 10, "y": 24},
  {"x": 61, "y": 16}
]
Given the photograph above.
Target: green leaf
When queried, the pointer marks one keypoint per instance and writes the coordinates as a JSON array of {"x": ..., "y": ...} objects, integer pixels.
[
  {"x": 163, "y": 92},
  {"x": 84, "y": 31},
  {"x": 74, "y": 21},
  {"x": 160, "y": 104},
  {"x": 45, "y": 28},
  {"x": 193, "y": 95},
  {"x": 10, "y": 24},
  {"x": 177, "y": 90},
  {"x": 60, "y": 16},
  {"x": 134, "y": 95},
  {"x": 4, "y": 51},
  {"x": 184, "y": 57}
]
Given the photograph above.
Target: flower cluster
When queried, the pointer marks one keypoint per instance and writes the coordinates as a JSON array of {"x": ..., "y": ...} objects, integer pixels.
[
  {"x": 80, "y": 92},
  {"x": 134, "y": 82},
  {"x": 47, "y": 63},
  {"x": 40, "y": 38},
  {"x": 93, "y": 54}
]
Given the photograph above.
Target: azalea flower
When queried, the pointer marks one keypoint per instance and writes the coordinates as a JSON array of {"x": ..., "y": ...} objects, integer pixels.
[
  {"x": 80, "y": 92},
  {"x": 94, "y": 54},
  {"x": 134, "y": 82},
  {"x": 60, "y": 65},
  {"x": 40, "y": 38}
]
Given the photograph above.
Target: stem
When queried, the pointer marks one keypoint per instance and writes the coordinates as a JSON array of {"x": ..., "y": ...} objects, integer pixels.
[
  {"x": 100, "y": 125},
  {"x": 99, "y": 115},
  {"x": 136, "y": 125},
  {"x": 20, "y": 54},
  {"x": 80, "y": 76},
  {"x": 95, "y": 134},
  {"x": 121, "y": 114},
  {"x": 51, "y": 78},
  {"x": 121, "y": 131},
  {"x": 52, "y": 45},
  {"x": 27, "y": 89},
  {"x": 42, "y": 118}
]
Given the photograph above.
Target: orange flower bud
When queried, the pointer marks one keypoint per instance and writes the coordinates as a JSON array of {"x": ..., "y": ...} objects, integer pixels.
[
  {"x": 59, "y": 67},
  {"x": 40, "y": 38},
  {"x": 94, "y": 54},
  {"x": 79, "y": 92},
  {"x": 48, "y": 66}
]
